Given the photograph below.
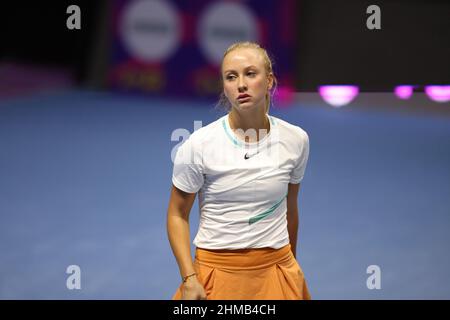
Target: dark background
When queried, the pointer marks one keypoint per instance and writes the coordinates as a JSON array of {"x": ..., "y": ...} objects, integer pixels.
[
  {"x": 412, "y": 47},
  {"x": 334, "y": 46}
]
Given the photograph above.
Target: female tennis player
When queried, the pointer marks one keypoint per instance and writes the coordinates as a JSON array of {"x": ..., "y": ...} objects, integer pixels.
[{"x": 246, "y": 168}]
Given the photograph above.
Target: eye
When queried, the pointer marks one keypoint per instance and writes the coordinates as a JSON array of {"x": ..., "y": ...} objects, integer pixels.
[
  {"x": 251, "y": 73},
  {"x": 230, "y": 77}
]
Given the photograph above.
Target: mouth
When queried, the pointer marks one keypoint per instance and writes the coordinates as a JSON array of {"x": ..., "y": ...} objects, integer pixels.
[{"x": 243, "y": 97}]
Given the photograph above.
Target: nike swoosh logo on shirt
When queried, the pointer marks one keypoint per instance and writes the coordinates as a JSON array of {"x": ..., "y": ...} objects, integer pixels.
[{"x": 247, "y": 156}]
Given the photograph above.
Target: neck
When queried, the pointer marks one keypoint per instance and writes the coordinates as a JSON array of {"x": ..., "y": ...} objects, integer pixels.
[{"x": 257, "y": 121}]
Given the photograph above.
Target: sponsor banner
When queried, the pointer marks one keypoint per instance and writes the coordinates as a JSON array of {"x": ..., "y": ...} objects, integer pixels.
[{"x": 174, "y": 48}]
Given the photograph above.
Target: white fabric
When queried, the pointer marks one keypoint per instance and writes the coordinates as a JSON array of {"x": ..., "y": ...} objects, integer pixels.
[{"x": 242, "y": 201}]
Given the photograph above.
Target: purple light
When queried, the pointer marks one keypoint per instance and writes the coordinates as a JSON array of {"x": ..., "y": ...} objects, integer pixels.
[
  {"x": 403, "y": 92},
  {"x": 438, "y": 93},
  {"x": 285, "y": 95},
  {"x": 339, "y": 95}
]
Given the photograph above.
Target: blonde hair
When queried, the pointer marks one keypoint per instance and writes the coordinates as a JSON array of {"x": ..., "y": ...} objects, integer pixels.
[{"x": 223, "y": 100}]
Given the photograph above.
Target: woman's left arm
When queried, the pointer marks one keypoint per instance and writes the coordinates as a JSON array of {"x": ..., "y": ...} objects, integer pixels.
[{"x": 292, "y": 215}]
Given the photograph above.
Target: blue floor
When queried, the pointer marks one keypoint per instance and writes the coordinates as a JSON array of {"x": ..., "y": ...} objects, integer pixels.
[{"x": 85, "y": 180}]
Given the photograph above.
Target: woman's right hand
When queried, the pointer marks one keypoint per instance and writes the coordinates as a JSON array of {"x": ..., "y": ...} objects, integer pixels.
[{"x": 192, "y": 289}]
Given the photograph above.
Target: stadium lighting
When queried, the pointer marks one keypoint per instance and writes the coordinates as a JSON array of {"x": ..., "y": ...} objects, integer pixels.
[
  {"x": 339, "y": 95},
  {"x": 438, "y": 93},
  {"x": 404, "y": 92}
]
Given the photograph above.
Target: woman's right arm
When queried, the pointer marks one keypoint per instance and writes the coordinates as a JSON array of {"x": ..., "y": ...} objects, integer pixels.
[{"x": 180, "y": 205}]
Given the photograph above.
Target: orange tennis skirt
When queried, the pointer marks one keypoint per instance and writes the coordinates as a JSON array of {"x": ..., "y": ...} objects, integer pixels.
[{"x": 249, "y": 274}]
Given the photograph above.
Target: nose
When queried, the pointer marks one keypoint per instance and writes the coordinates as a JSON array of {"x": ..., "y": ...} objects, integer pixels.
[{"x": 242, "y": 86}]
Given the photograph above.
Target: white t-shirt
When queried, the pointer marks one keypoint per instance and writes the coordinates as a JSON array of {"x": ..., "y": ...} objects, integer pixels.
[{"x": 242, "y": 187}]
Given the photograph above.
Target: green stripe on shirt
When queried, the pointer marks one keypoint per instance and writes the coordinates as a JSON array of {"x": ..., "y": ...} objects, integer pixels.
[{"x": 266, "y": 213}]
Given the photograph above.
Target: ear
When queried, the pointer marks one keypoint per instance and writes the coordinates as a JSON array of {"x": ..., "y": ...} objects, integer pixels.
[{"x": 270, "y": 81}]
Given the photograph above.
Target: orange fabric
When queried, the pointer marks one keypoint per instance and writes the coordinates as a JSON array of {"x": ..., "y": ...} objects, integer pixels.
[{"x": 249, "y": 274}]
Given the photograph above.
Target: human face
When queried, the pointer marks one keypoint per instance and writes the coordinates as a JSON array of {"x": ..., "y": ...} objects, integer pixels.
[{"x": 245, "y": 80}]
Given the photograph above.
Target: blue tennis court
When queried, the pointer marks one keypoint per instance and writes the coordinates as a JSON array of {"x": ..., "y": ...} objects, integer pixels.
[{"x": 85, "y": 180}]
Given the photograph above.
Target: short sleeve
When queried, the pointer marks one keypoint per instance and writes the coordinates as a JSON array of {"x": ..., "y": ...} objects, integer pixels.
[
  {"x": 299, "y": 170},
  {"x": 187, "y": 168}
]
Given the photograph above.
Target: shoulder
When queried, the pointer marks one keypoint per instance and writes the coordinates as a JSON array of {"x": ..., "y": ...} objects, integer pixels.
[{"x": 202, "y": 135}]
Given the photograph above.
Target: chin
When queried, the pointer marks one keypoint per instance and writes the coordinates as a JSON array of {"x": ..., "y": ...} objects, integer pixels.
[{"x": 247, "y": 106}]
